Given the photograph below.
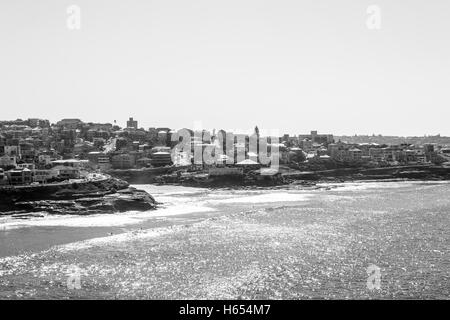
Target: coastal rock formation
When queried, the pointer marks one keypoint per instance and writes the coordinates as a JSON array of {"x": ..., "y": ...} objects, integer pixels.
[
  {"x": 287, "y": 176},
  {"x": 123, "y": 200},
  {"x": 108, "y": 196}
]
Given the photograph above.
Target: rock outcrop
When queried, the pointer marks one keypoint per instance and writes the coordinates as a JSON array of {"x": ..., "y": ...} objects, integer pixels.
[
  {"x": 108, "y": 196},
  {"x": 129, "y": 199}
]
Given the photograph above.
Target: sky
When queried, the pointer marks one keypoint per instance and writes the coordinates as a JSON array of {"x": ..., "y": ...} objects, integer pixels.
[{"x": 287, "y": 65}]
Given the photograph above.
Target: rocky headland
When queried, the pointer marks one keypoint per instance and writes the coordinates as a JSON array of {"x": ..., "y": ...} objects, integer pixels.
[
  {"x": 285, "y": 176},
  {"x": 107, "y": 195}
]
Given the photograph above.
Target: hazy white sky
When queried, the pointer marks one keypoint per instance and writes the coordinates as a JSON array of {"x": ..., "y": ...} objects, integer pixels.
[{"x": 291, "y": 65}]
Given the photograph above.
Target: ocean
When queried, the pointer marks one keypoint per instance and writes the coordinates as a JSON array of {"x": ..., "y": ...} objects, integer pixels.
[{"x": 359, "y": 240}]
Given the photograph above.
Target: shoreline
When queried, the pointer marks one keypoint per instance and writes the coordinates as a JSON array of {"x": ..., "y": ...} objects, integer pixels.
[
  {"x": 111, "y": 192},
  {"x": 106, "y": 195},
  {"x": 201, "y": 179},
  {"x": 68, "y": 233}
]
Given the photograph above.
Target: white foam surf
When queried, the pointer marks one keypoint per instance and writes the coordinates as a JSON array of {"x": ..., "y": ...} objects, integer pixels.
[{"x": 267, "y": 198}]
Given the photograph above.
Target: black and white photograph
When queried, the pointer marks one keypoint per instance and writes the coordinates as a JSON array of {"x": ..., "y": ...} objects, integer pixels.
[{"x": 244, "y": 151}]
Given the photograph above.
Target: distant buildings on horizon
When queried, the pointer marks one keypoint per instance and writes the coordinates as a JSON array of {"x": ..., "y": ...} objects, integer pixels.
[{"x": 34, "y": 150}]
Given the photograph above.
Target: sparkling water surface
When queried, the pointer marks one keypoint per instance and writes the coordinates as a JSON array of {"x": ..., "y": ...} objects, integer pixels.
[{"x": 284, "y": 243}]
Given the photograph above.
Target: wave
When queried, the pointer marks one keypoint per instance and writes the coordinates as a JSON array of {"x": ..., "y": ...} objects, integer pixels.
[
  {"x": 104, "y": 220},
  {"x": 366, "y": 185},
  {"x": 270, "y": 197}
]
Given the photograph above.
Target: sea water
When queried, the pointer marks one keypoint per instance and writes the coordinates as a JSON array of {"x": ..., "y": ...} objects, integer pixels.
[{"x": 335, "y": 241}]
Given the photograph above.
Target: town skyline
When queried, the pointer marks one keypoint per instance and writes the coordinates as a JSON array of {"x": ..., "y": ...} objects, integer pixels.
[{"x": 121, "y": 122}]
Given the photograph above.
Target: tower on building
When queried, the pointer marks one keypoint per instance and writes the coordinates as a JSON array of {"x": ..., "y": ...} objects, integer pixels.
[{"x": 131, "y": 123}]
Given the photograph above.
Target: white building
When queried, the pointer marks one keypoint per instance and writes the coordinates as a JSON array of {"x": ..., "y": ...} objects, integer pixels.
[{"x": 8, "y": 161}]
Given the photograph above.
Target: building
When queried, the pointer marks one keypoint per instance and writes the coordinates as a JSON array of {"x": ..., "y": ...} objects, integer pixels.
[
  {"x": 34, "y": 122},
  {"x": 69, "y": 123},
  {"x": 20, "y": 176},
  {"x": 43, "y": 176},
  {"x": 131, "y": 123},
  {"x": 161, "y": 159},
  {"x": 122, "y": 161},
  {"x": 12, "y": 151},
  {"x": 397, "y": 153},
  {"x": 429, "y": 147},
  {"x": 306, "y": 144},
  {"x": 8, "y": 162},
  {"x": 377, "y": 154},
  {"x": 44, "y": 159},
  {"x": 161, "y": 156},
  {"x": 99, "y": 160},
  {"x": 355, "y": 154},
  {"x": 27, "y": 151},
  {"x": 314, "y": 137},
  {"x": 3, "y": 177},
  {"x": 342, "y": 152},
  {"x": 333, "y": 150},
  {"x": 67, "y": 172},
  {"x": 68, "y": 163},
  {"x": 160, "y": 149},
  {"x": 29, "y": 166},
  {"x": 393, "y": 153},
  {"x": 143, "y": 162}
]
